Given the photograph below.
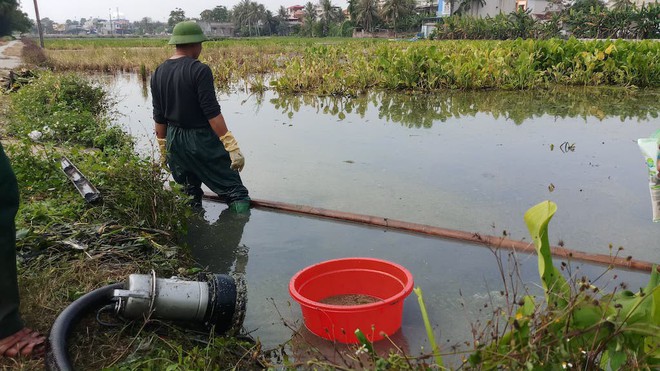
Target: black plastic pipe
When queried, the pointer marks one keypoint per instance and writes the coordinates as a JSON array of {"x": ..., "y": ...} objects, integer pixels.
[{"x": 57, "y": 357}]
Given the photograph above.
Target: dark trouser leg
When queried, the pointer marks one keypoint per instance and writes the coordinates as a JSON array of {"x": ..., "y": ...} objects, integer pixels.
[
  {"x": 193, "y": 188},
  {"x": 10, "y": 321},
  {"x": 200, "y": 152}
]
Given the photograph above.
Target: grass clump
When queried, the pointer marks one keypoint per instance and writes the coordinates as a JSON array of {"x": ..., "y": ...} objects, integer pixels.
[
  {"x": 65, "y": 109},
  {"x": 32, "y": 53}
]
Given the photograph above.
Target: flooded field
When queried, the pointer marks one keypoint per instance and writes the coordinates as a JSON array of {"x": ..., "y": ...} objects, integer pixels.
[
  {"x": 461, "y": 283},
  {"x": 474, "y": 161}
]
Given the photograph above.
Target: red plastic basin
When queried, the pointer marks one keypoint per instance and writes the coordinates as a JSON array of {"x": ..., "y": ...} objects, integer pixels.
[{"x": 385, "y": 280}]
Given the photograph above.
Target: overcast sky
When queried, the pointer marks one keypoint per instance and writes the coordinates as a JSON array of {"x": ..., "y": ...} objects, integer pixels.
[{"x": 61, "y": 10}]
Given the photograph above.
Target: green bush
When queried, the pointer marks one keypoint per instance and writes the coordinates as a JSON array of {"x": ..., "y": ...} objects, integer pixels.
[
  {"x": 65, "y": 109},
  {"x": 585, "y": 19},
  {"x": 509, "y": 65},
  {"x": 72, "y": 113}
]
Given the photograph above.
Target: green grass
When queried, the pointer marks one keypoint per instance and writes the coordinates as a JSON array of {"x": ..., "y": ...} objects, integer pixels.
[{"x": 86, "y": 43}]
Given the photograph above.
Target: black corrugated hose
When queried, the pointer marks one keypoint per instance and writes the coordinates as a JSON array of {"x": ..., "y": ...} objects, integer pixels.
[{"x": 57, "y": 357}]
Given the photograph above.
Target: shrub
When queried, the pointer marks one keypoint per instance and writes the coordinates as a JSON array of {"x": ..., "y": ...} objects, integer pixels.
[{"x": 65, "y": 109}]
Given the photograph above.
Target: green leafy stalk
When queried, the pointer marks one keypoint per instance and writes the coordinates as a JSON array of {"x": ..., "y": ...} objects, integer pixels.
[
  {"x": 364, "y": 341},
  {"x": 429, "y": 329},
  {"x": 556, "y": 288}
]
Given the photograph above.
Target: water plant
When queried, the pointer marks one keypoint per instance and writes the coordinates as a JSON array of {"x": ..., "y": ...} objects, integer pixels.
[
  {"x": 508, "y": 65},
  {"x": 576, "y": 326},
  {"x": 349, "y": 67},
  {"x": 429, "y": 329}
]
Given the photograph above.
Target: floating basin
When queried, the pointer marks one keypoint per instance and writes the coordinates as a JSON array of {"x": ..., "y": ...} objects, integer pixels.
[{"x": 387, "y": 283}]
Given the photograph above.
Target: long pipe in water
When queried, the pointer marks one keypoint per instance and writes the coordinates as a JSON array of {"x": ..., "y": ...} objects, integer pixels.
[{"x": 469, "y": 237}]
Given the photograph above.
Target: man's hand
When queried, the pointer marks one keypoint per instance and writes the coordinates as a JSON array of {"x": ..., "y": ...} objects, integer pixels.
[{"x": 237, "y": 159}]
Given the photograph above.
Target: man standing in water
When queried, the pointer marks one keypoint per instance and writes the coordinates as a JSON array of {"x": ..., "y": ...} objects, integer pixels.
[
  {"x": 189, "y": 122},
  {"x": 15, "y": 339}
]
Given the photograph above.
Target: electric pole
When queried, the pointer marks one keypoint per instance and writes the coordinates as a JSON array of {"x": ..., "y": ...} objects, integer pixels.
[
  {"x": 110, "y": 11},
  {"x": 39, "y": 28}
]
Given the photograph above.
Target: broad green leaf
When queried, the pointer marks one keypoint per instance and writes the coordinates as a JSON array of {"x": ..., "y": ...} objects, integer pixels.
[
  {"x": 617, "y": 359},
  {"x": 528, "y": 306},
  {"x": 642, "y": 307},
  {"x": 555, "y": 286},
  {"x": 586, "y": 314}
]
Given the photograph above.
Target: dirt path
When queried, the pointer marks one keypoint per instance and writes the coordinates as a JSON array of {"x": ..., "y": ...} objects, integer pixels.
[{"x": 8, "y": 62}]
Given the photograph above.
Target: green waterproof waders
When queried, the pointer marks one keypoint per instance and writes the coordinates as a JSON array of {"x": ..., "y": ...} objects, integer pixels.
[
  {"x": 197, "y": 156},
  {"x": 10, "y": 321}
]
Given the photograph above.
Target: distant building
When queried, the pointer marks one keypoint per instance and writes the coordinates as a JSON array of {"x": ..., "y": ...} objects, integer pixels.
[
  {"x": 217, "y": 29},
  {"x": 493, "y": 8},
  {"x": 113, "y": 27},
  {"x": 295, "y": 14},
  {"x": 59, "y": 27}
]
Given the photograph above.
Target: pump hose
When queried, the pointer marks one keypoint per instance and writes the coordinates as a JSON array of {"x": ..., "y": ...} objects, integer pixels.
[
  {"x": 463, "y": 236},
  {"x": 57, "y": 358}
]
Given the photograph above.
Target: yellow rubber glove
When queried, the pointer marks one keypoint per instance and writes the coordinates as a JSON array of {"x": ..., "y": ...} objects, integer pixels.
[
  {"x": 162, "y": 145},
  {"x": 237, "y": 159}
]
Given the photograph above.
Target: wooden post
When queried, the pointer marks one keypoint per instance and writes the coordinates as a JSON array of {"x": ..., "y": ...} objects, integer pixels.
[{"x": 39, "y": 28}]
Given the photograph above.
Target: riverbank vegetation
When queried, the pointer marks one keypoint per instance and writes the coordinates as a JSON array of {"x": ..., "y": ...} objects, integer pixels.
[
  {"x": 356, "y": 67},
  {"x": 577, "y": 325},
  {"x": 68, "y": 247}
]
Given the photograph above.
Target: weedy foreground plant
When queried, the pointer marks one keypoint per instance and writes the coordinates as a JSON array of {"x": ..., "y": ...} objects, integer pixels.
[{"x": 576, "y": 327}]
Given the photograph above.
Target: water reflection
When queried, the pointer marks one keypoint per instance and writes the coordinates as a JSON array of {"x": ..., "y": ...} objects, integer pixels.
[
  {"x": 144, "y": 84},
  {"x": 422, "y": 110},
  {"x": 218, "y": 242}
]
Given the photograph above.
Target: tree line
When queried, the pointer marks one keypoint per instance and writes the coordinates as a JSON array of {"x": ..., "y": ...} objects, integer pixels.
[
  {"x": 251, "y": 18},
  {"x": 12, "y": 18},
  {"x": 581, "y": 19}
]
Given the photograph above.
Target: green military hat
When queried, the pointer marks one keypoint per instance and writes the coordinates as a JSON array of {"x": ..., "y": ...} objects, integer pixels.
[{"x": 187, "y": 32}]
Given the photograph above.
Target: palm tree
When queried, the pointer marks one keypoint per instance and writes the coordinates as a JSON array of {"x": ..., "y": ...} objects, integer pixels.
[
  {"x": 396, "y": 9},
  {"x": 282, "y": 13},
  {"x": 310, "y": 17},
  {"x": 352, "y": 9},
  {"x": 282, "y": 21},
  {"x": 366, "y": 14},
  {"x": 249, "y": 14},
  {"x": 240, "y": 13},
  {"x": 328, "y": 15}
]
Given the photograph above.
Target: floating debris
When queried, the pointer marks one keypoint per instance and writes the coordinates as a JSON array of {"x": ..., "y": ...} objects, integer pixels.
[{"x": 566, "y": 147}]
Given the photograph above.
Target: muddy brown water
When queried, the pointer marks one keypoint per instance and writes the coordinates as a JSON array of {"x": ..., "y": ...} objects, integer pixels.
[
  {"x": 461, "y": 160},
  {"x": 350, "y": 299}
]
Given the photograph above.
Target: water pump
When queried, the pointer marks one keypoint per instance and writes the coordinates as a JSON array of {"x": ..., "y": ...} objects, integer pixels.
[{"x": 213, "y": 302}]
